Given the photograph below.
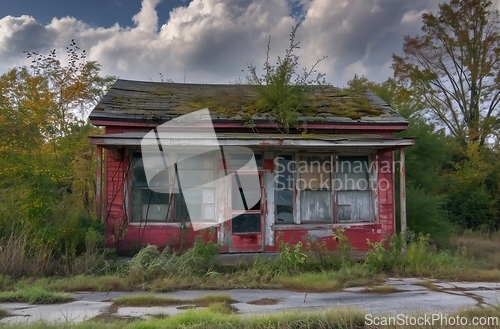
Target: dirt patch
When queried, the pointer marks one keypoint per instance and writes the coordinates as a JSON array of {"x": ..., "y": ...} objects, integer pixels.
[
  {"x": 110, "y": 316},
  {"x": 150, "y": 300},
  {"x": 3, "y": 313},
  {"x": 186, "y": 307},
  {"x": 430, "y": 286},
  {"x": 380, "y": 290},
  {"x": 265, "y": 301}
]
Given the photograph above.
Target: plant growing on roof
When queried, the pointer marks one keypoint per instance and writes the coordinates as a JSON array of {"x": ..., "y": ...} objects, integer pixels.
[{"x": 281, "y": 90}]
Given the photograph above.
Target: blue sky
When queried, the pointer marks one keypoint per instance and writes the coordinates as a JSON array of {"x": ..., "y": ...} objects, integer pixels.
[
  {"x": 212, "y": 40},
  {"x": 94, "y": 12}
]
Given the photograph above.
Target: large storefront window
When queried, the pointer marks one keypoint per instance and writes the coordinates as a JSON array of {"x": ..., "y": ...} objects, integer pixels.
[
  {"x": 196, "y": 176},
  {"x": 194, "y": 197},
  {"x": 330, "y": 189},
  {"x": 146, "y": 204}
]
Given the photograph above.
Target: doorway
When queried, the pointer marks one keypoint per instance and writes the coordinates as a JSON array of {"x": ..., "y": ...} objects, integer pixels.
[{"x": 247, "y": 223}]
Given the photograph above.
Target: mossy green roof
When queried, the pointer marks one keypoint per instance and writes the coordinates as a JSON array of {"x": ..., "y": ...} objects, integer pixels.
[{"x": 160, "y": 101}]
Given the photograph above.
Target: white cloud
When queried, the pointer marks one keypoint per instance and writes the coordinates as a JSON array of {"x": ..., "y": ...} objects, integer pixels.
[
  {"x": 360, "y": 35},
  {"x": 412, "y": 16},
  {"x": 214, "y": 39},
  {"x": 147, "y": 19},
  {"x": 356, "y": 68}
]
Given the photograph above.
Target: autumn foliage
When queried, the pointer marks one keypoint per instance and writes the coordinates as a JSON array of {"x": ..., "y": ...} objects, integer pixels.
[
  {"x": 453, "y": 69},
  {"x": 47, "y": 181}
]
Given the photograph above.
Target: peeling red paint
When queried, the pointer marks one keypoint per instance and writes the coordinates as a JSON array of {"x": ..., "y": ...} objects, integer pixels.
[
  {"x": 357, "y": 238},
  {"x": 129, "y": 236},
  {"x": 98, "y": 192},
  {"x": 269, "y": 164},
  {"x": 246, "y": 242}
]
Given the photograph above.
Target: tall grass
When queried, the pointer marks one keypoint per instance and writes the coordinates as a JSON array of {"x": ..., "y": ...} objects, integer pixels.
[
  {"x": 302, "y": 266},
  {"x": 18, "y": 258},
  {"x": 149, "y": 262},
  {"x": 414, "y": 255}
]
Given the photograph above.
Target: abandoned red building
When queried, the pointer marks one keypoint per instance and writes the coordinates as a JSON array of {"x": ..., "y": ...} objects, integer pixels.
[{"x": 334, "y": 168}]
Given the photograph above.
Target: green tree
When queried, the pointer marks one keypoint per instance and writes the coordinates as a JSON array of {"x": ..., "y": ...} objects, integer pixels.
[
  {"x": 453, "y": 69},
  {"x": 473, "y": 182},
  {"x": 425, "y": 161},
  {"x": 46, "y": 161}
]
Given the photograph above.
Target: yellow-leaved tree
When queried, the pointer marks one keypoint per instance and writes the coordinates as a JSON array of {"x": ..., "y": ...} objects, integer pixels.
[{"x": 46, "y": 169}]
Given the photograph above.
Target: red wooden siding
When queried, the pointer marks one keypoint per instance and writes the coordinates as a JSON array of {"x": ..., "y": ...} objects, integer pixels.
[
  {"x": 386, "y": 192},
  {"x": 323, "y": 238},
  {"x": 114, "y": 196},
  {"x": 125, "y": 236}
]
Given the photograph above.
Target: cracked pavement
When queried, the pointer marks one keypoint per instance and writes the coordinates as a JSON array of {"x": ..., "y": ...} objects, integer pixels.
[{"x": 404, "y": 296}]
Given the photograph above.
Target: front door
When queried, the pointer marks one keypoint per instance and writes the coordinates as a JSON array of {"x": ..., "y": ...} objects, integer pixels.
[{"x": 247, "y": 223}]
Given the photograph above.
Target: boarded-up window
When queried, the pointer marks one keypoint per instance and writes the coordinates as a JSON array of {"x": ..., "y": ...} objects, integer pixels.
[
  {"x": 146, "y": 204},
  {"x": 354, "y": 194},
  {"x": 315, "y": 185},
  {"x": 283, "y": 187}
]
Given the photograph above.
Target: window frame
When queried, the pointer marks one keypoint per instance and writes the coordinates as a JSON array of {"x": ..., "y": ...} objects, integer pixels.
[
  {"x": 371, "y": 176},
  {"x": 180, "y": 195},
  {"x": 130, "y": 192},
  {"x": 292, "y": 189},
  {"x": 172, "y": 196},
  {"x": 332, "y": 199},
  {"x": 236, "y": 213}
]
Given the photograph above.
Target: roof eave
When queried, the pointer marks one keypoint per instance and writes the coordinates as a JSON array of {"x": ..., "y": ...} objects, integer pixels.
[
  {"x": 115, "y": 140},
  {"x": 228, "y": 123}
]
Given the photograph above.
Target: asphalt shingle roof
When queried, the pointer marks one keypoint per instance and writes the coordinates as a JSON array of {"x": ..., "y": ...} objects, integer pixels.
[{"x": 159, "y": 102}]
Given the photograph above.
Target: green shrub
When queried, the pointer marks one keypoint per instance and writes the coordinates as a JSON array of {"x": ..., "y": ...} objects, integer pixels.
[
  {"x": 380, "y": 258},
  {"x": 281, "y": 90},
  {"x": 344, "y": 246},
  {"x": 421, "y": 259},
  {"x": 425, "y": 213},
  {"x": 291, "y": 258},
  {"x": 408, "y": 254}
]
